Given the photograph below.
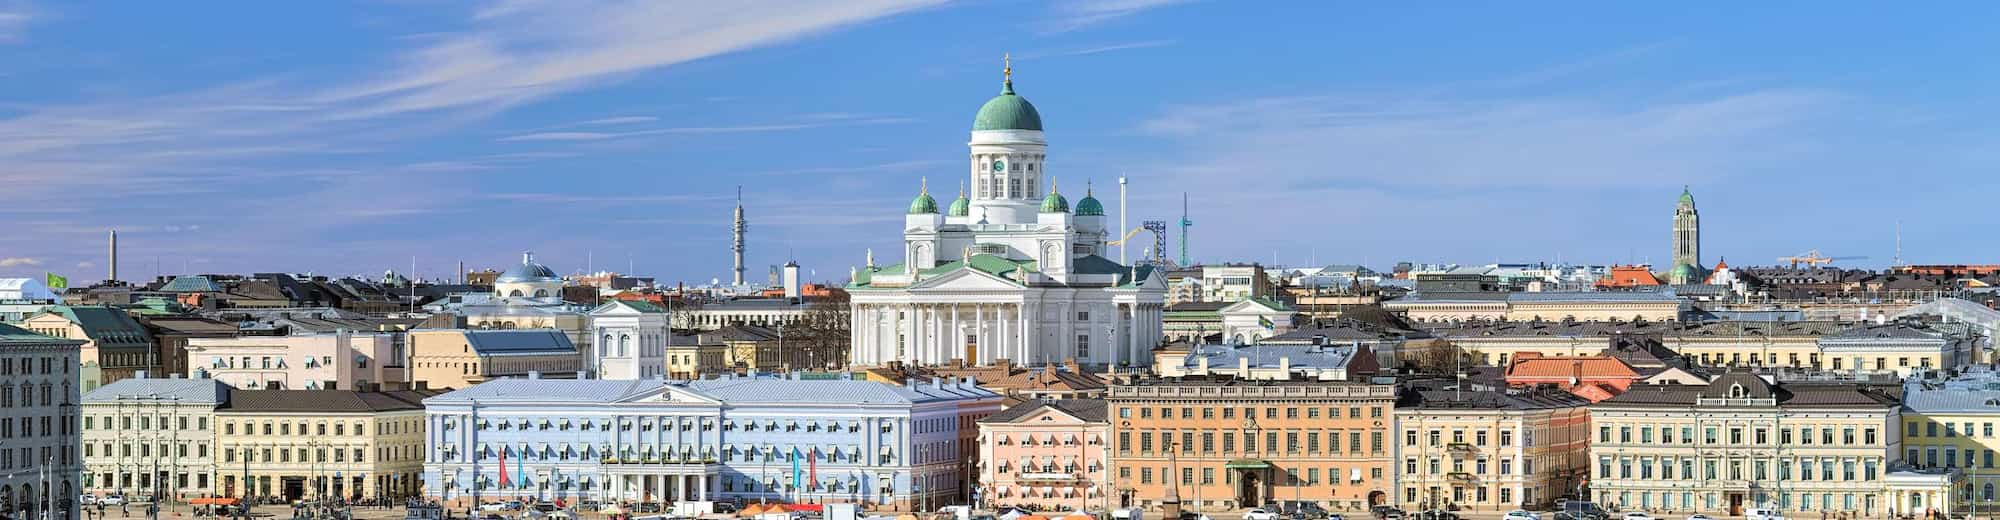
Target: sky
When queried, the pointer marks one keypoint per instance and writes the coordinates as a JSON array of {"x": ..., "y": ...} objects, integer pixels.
[{"x": 346, "y": 138}]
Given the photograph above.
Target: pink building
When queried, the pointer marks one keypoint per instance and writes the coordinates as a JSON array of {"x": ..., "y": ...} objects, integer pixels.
[
  {"x": 329, "y": 361},
  {"x": 1053, "y": 454}
]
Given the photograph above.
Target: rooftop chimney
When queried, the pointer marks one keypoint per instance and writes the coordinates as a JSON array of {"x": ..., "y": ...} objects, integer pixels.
[{"x": 534, "y": 374}]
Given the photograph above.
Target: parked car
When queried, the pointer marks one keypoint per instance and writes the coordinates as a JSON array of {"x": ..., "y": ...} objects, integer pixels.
[
  {"x": 1191, "y": 515},
  {"x": 1299, "y": 510},
  {"x": 492, "y": 507},
  {"x": 646, "y": 507},
  {"x": 1699, "y": 516},
  {"x": 1334, "y": 516},
  {"x": 1437, "y": 514},
  {"x": 1258, "y": 513},
  {"x": 1637, "y": 515},
  {"x": 1581, "y": 510},
  {"x": 1762, "y": 514},
  {"x": 142, "y": 499},
  {"x": 1519, "y": 514},
  {"x": 88, "y": 500},
  {"x": 112, "y": 500},
  {"x": 1387, "y": 512}
]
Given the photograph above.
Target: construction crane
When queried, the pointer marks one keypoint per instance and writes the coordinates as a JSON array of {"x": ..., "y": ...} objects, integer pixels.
[
  {"x": 1159, "y": 229},
  {"x": 1812, "y": 258}
]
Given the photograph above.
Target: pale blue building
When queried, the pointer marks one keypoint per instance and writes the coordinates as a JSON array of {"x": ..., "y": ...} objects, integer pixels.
[{"x": 735, "y": 438}]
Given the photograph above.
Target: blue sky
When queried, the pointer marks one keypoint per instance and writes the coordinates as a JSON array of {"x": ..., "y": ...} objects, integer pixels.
[{"x": 347, "y": 137}]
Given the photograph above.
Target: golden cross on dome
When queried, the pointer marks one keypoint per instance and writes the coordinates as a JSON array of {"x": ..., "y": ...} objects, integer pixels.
[{"x": 1007, "y": 66}]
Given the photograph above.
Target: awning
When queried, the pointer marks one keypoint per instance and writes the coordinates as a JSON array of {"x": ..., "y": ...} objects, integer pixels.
[{"x": 1247, "y": 464}]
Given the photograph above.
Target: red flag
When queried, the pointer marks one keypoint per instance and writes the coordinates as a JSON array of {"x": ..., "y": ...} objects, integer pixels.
[
  {"x": 503, "y": 467},
  {"x": 812, "y": 469}
]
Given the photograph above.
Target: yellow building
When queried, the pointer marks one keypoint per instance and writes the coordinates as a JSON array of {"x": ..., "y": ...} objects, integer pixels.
[
  {"x": 1949, "y": 424},
  {"x": 1490, "y": 450},
  {"x": 456, "y": 358},
  {"x": 1901, "y": 348},
  {"x": 689, "y": 357},
  {"x": 314, "y": 444},
  {"x": 1740, "y": 443},
  {"x": 1445, "y": 307}
]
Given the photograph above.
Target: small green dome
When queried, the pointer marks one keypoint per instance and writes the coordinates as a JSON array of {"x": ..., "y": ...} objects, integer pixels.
[
  {"x": 961, "y": 207},
  {"x": 1687, "y": 197},
  {"x": 1089, "y": 206},
  {"x": 924, "y": 205},
  {"x": 1684, "y": 274},
  {"x": 1054, "y": 203},
  {"x": 1007, "y": 111}
]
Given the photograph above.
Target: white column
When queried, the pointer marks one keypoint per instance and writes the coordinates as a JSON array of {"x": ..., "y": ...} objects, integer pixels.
[
  {"x": 1003, "y": 339},
  {"x": 1112, "y": 345},
  {"x": 1131, "y": 331},
  {"x": 1026, "y": 338},
  {"x": 702, "y": 493},
  {"x": 957, "y": 340}
]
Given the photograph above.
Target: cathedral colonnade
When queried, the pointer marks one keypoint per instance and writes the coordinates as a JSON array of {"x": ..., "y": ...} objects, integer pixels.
[{"x": 982, "y": 333}]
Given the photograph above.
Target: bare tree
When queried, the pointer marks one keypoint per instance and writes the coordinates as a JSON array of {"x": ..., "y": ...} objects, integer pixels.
[
  {"x": 1442, "y": 357},
  {"x": 819, "y": 339}
]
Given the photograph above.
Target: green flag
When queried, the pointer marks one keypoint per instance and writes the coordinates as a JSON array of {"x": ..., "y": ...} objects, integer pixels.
[{"x": 57, "y": 282}]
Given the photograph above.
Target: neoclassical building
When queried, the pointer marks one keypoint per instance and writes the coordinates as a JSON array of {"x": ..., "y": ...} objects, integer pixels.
[
  {"x": 631, "y": 340},
  {"x": 1008, "y": 271}
]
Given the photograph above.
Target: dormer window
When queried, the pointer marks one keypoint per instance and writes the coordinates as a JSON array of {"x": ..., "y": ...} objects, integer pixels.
[{"x": 1736, "y": 391}]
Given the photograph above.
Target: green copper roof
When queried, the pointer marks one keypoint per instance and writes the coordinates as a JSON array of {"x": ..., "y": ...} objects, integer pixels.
[
  {"x": 1684, "y": 273},
  {"x": 960, "y": 207},
  {"x": 1687, "y": 197},
  {"x": 1007, "y": 111},
  {"x": 924, "y": 204},
  {"x": 1089, "y": 206},
  {"x": 1055, "y": 203}
]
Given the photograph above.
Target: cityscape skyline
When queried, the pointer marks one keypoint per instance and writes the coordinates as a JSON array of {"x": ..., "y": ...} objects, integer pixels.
[{"x": 468, "y": 135}]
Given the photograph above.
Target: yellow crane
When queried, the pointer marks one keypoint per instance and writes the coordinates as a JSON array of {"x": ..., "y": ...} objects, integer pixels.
[
  {"x": 1813, "y": 258},
  {"x": 1128, "y": 236}
]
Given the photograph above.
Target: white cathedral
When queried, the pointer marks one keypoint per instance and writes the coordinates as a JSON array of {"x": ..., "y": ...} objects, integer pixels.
[{"x": 1009, "y": 273}]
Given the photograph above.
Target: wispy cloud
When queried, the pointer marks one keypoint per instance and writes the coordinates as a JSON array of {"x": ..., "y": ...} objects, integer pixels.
[
  {"x": 19, "y": 262},
  {"x": 1078, "y": 14},
  {"x": 15, "y": 15},
  {"x": 250, "y": 138},
  {"x": 1100, "y": 49},
  {"x": 889, "y": 167},
  {"x": 813, "y": 121}
]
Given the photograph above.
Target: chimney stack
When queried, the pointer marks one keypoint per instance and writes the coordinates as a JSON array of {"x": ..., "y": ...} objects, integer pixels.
[{"x": 113, "y": 276}]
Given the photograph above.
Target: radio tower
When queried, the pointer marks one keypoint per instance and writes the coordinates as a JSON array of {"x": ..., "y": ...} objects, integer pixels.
[
  {"x": 738, "y": 229},
  {"x": 1185, "y": 224}
]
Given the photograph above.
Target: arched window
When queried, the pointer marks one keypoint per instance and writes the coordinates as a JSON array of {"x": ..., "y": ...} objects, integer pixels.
[
  {"x": 541, "y": 293},
  {"x": 516, "y": 292},
  {"x": 1987, "y": 493},
  {"x": 1736, "y": 391},
  {"x": 623, "y": 342}
]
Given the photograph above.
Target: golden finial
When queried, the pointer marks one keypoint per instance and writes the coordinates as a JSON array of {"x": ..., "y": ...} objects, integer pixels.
[
  {"x": 1007, "y": 66},
  {"x": 961, "y": 188},
  {"x": 1053, "y": 188},
  {"x": 925, "y": 185}
]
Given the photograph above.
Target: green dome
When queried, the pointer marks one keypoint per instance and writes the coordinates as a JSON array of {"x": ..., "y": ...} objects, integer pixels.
[
  {"x": 1687, "y": 197},
  {"x": 962, "y": 207},
  {"x": 1007, "y": 111},
  {"x": 1683, "y": 273},
  {"x": 924, "y": 205},
  {"x": 1054, "y": 203},
  {"x": 1089, "y": 206}
]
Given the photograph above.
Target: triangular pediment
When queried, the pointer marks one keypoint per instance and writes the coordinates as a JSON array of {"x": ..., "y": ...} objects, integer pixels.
[
  {"x": 1251, "y": 307},
  {"x": 672, "y": 394},
  {"x": 966, "y": 279},
  {"x": 1049, "y": 415}
]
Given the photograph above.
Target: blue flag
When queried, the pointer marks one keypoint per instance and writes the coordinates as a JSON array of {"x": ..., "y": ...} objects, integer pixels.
[
  {"x": 797, "y": 482},
  {"x": 522, "y": 479}
]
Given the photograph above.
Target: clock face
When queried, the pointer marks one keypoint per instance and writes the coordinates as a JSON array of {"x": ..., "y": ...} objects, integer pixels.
[{"x": 999, "y": 166}]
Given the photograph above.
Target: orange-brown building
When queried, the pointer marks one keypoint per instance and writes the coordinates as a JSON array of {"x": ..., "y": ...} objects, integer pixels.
[
  {"x": 1623, "y": 276},
  {"x": 1237, "y": 444},
  {"x": 1591, "y": 377}
]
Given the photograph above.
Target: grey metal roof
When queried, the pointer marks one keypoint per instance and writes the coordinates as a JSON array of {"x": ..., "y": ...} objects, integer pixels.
[
  {"x": 735, "y": 390},
  {"x": 1092, "y": 410},
  {"x": 325, "y": 401},
  {"x": 198, "y": 390},
  {"x": 1268, "y": 355},
  {"x": 519, "y": 341},
  {"x": 1975, "y": 391}
]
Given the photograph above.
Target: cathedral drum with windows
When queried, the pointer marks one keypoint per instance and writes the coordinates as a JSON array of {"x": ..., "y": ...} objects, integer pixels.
[{"x": 1009, "y": 271}]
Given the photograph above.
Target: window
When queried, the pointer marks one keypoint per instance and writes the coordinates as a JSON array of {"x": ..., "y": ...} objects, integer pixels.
[{"x": 1082, "y": 346}]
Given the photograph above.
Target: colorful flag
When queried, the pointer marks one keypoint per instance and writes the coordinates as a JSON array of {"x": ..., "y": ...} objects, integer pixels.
[
  {"x": 812, "y": 465},
  {"x": 503, "y": 466},
  {"x": 519, "y": 459},
  {"x": 1266, "y": 322},
  {"x": 797, "y": 482},
  {"x": 56, "y": 282}
]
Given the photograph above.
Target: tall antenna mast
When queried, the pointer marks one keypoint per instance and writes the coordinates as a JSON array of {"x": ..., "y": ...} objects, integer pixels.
[
  {"x": 738, "y": 229},
  {"x": 1185, "y": 223},
  {"x": 1899, "y": 245},
  {"x": 1121, "y": 219}
]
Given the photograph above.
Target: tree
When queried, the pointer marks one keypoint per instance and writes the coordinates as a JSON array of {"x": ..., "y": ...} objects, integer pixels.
[
  {"x": 1441, "y": 357},
  {"x": 819, "y": 339}
]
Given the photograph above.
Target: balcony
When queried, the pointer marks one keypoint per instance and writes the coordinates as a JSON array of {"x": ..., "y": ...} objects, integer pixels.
[
  {"x": 1461, "y": 477},
  {"x": 656, "y": 460},
  {"x": 1048, "y": 478},
  {"x": 1460, "y": 449}
]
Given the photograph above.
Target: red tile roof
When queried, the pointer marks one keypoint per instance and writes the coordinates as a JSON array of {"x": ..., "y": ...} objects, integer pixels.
[{"x": 1629, "y": 276}]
